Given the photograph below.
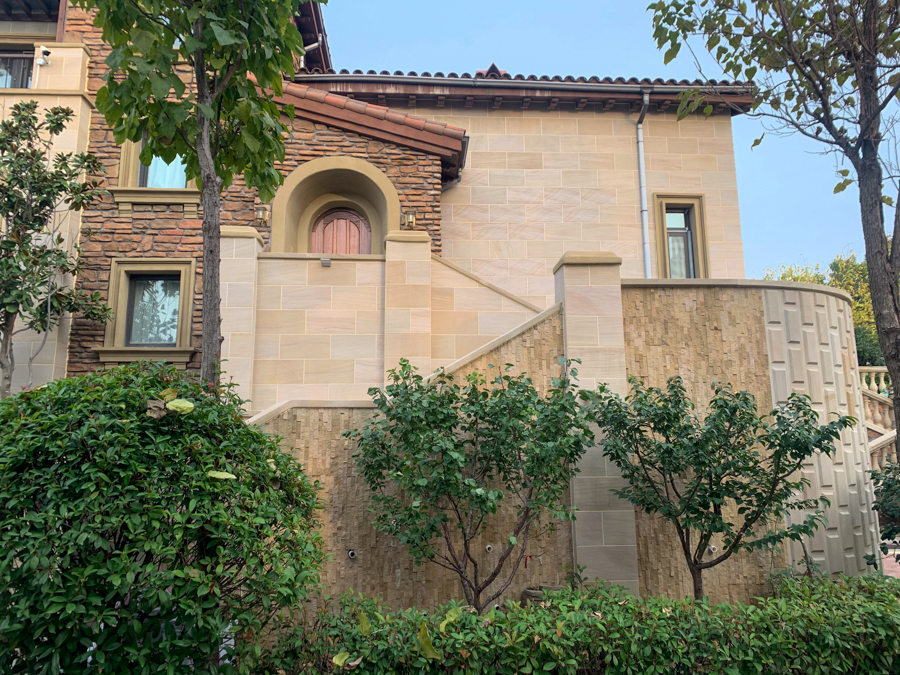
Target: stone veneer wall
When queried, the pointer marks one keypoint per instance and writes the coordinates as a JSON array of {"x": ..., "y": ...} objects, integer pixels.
[
  {"x": 541, "y": 182},
  {"x": 705, "y": 335},
  {"x": 714, "y": 333},
  {"x": 382, "y": 567},
  {"x": 163, "y": 230}
]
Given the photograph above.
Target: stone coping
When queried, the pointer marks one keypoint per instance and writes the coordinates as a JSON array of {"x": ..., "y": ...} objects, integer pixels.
[
  {"x": 32, "y": 93},
  {"x": 587, "y": 258},
  {"x": 130, "y": 354},
  {"x": 764, "y": 284},
  {"x": 241, "y": 232},
  {"x": 319, "y": 256},
  {"x": 496, "y": 289},
  {"x": 409, "y": 236},
  {"x": 275, "y": 410},
  {"x": 498, "y": 341}
]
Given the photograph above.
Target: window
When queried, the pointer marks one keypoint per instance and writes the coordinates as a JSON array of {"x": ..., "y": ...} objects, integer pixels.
[
  {"x": 152, "y": 301},
  {"x": 162, "y": 175},
  {"x": 152, "y": 310},
  {"x": 681, "y": 237},
  {"x": 341, "y": 231},
  {"x": 15, "y": 70}
]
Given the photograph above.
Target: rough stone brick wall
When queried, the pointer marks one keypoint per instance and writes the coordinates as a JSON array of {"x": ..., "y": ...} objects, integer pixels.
[
  {"x": 705, "y": 335},
  {"x": 382, "y": 567},
  {"x": 163, "y": 231}
]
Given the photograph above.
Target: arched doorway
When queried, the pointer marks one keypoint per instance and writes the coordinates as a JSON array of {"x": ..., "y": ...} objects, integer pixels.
[{"x": 341, "y": 231}]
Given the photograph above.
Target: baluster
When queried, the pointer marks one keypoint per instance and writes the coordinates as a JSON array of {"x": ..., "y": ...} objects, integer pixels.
[
  {"x": 877, "y": 417},
  {"x": 874, "y": 461},
  {"x": 892, "y": 417}
]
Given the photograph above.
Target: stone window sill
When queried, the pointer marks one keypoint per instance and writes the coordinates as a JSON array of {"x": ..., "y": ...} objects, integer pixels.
[
  {"x": 127, "y": 197},
  {"x": 178, "y": 356}
]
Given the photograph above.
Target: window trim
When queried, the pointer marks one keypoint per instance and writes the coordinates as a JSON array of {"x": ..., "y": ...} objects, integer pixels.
[
  {"x": 129, "y": 318},
  {"x": 115, "y": 347},
  {"x": 699, "y": 245},
  {"x": 128, "y": 192}
]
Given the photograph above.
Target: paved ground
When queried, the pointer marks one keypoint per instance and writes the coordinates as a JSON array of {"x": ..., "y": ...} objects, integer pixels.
[{"x": 891, "y": 568}]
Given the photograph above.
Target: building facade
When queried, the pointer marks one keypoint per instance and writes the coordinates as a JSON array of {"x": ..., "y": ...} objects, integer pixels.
[{"x": 456, "y": 220}]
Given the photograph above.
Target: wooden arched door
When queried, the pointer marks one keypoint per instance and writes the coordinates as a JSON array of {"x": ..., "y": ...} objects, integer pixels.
[{"x": 341, "y": 231}]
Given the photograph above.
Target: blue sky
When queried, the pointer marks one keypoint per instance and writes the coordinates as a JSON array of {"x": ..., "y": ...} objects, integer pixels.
[{"x": 789, "y": 213}]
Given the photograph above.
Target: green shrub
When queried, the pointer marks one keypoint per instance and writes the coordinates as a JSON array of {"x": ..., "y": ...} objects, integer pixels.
[
  {"x": 142, "y": 534},
  {"x": 812, "y": 626}
]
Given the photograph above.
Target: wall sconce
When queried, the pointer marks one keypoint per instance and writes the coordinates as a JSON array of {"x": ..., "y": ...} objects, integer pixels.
[
  {"x": 410, "y": 219},
  {"x": 262, "y": 215}
]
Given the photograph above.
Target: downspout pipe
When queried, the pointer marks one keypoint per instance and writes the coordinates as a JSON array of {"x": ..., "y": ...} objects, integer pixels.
[{"x": 642, "y": 182}]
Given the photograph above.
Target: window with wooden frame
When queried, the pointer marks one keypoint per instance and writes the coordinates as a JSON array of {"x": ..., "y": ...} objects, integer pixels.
[
  {"x": 152, "y": 301},
  {"x": 681, "y": 237}
]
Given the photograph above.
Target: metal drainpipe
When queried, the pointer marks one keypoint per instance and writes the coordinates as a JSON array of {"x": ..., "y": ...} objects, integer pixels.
[{"x": 642, "y": 180}]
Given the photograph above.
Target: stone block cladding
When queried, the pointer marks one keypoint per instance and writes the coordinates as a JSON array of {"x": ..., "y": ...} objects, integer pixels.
[
  {"x": 382, "y": 567},
  {"x": 540, "y": 182},
  {"x": 162, "y": 230}
]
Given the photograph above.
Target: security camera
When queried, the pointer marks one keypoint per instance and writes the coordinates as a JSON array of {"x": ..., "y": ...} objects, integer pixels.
[
  {"x": 488, "y": 548},
  {"x": 713, "y": 549},
  {"x": 351, "y": 554},
  {"x": 43, "y": 59}
]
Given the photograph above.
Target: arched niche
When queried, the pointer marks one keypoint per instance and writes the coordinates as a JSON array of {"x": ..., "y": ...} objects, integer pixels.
[{"x": 329, "y": 183}]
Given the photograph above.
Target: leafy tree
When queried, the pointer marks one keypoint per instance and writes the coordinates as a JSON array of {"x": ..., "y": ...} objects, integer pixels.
[
  {"x": 851, "y": 276},
  {"x": 34, "y": 263},
  {"x": 145, "y": 528},
  {"x": 222, "y": 122},
  {"x": 691, "y": 470},
  {"x": 828, "y": 70},
  {"x": 442, "y": 459}
]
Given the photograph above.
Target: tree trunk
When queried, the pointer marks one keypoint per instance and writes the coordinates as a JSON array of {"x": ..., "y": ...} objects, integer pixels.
[
  {"x": 7, "y": 358},
  {"x": 210, "y": 200},
  {"x": 697, "y": 576}
]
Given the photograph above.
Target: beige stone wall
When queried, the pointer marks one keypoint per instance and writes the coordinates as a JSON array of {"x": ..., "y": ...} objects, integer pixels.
[
  {"x": 538, "y": 183},
  {"x": 319, "y": 330},
  {"x": 705, "y": 335},
  {"x": 62, "y": 83},
  {"x": 466, "y": 314},
  {"x": 240, "y": 247},
  {"x": 812, "y": 351},
  {"x": 382, "y": 566}
]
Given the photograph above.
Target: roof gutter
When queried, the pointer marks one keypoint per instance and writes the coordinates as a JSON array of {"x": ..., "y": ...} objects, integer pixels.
[{"x": 517, "y": 84}]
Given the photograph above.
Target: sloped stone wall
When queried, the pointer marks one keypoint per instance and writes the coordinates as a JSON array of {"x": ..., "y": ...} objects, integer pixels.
[{"x": 382, "y": 567}]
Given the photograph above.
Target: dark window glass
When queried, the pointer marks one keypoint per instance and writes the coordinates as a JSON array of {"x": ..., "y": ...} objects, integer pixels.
[
  {"x": 153, "y": 310},
  {"x": 681, "y": 249},
  {"x": 15, "y": 70}
]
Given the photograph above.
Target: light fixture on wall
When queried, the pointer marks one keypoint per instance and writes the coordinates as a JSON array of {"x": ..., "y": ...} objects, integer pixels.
[
  {"x": 410, "y": 219},
  {"x": 262, "y": 214}
]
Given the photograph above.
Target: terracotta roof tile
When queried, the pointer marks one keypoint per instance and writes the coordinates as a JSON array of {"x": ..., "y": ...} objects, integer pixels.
[
  {"x": 376, "y": 111},
  {"x": 494, "y": 74}
]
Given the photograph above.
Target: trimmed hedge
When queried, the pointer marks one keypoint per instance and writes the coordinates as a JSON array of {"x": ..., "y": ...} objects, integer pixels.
[
  {"x": 811, "y": 626},
  {"x": 145, "y": 529}
]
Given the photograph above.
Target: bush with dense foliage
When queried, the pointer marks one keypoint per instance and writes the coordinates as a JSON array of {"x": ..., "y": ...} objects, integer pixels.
[
  {"x": 144, "y": 527},
  {"x": 812, "y": 626}
]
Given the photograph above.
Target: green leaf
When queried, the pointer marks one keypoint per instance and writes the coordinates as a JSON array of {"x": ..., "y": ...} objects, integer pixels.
[
  {"x": 180, "y": 405},
  {"x": 452, "y": 615},
  {"x": 425, "y": 646},
  {"x": 365, "y": 628},
  {"x": 843, "y": 185},
  {"x": 340, "y": 659},
  {"x": 168, "y": 394},
  {"x": 758, "y": 141},
  {"x": 221, "y": 475},
  {"x": 224, "y": 37}
]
